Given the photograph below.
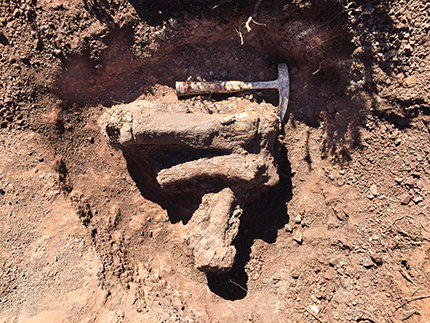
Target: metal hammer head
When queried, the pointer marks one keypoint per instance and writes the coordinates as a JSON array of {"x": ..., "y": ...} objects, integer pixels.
[{"x": 283, "y": 85}]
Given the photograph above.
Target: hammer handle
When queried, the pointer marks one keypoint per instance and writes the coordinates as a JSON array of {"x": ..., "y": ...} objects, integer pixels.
[{"x": 196, "y": 88}]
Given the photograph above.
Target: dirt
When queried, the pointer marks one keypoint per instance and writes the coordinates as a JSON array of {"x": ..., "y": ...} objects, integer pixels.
[{"x": 344, "y": 235}]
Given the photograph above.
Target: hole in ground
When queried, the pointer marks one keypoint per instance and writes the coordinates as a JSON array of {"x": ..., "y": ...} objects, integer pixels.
[
  {"x": 261, "y": 219},
  {"x": 205, "y": 44}
]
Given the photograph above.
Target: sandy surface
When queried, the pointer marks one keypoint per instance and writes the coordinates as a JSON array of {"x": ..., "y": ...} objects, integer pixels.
[{"x": 343, "y": 237}]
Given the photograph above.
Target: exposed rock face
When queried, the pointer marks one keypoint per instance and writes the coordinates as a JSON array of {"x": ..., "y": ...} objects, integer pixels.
[{"x": 225, "y": 158}]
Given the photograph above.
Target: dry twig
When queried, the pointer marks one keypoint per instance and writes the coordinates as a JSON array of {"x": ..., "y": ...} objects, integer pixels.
[
  {"x": 310, "y": 312},
  {"x": 409, "y": 314},
  {"x": 243, "y": 288},
  {"x": 416, "y": 290},
  {"x": 314, "y": 315},
  {"x": 251, "y": 17},
  {"x": 239, "y": 32},
  {"x": 319, "y": 68},
  {"x": 411, "y": 299},
  {"x": 407, "y": 276}
]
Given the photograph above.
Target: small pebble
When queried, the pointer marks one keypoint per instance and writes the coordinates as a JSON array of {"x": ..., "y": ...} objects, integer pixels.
[
  {"x": 330, "y": 273},
  {"x": 223, "y": 73},
  {"x": 298, "y": 237},
  {"x": 368, "y": 263},
  {"x": 405, "y": 198},
  {"x": 418, "y": 199},
  {"x": 377, "y": 259},
  {"x": 288, "y": 228},
  {"x": 374, "y": 189},
  {"x": 314, "y": 308}
]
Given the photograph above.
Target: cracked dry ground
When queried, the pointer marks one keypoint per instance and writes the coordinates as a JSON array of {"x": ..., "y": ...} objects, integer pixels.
[{"x": 343, "y": 237}]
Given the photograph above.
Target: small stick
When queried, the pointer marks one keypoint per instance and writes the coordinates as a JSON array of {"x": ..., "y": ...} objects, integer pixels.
[
  {"x": 314, "y": 315},
  {"x": 367, "y": 316},
  {"x": 407, "y": 276},
  {"x": 305, "y": 309},
  {"x": 219, "y": 4},
  {"x": 343, "y": 11},
  {"x": 322, "y": 42},
  {"x": 416, "y": 290},
  {"x": 238, "y": 285},
  {"x": 250, "y": 18},
  {"x": 411, "y": 299},
  {"x": 319, "y": 67},
  {"x": 239, "y": 32},
  {"x": 410, "y": 314}
]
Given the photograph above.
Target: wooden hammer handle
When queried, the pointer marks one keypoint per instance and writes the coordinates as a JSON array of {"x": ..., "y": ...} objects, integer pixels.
[{"x": 196, "y": 88}]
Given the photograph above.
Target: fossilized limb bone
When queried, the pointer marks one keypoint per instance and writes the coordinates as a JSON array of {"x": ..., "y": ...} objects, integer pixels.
[
  {"x": 230, "y": 169},
  {"x": 213, "y": 228},
  {"x": 195, "y": 130},
  {"x": 235, "y": 163}
]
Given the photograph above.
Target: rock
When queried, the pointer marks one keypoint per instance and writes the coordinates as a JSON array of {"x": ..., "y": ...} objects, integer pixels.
[
  {"x": 151, "y": 125},
  {"x": 298, "y": 219},
  {"x": 330, "y": 273},
  {"x": 3, "y": 39},
  {"x": 408, "y": 48},
  {"x": 295, "y": 274},
  {"x": 173, "y": 22},
  {"x": 340, "y": 182},
  {"x": 409, "y": 182},
  {"x": 215, "y": 260},
  {"x": 358, "y": 51},
  {"x": 398, "y": 141},
  {"x": 314, "y": 299},
  {"x": 388, "y": 55},
  {"x": 288, "y": 228},
  {"x": 374, "y": 189},
  {"x": 377, "y": 259},
  {"x": 418, "y": 199},
  {"x": 368, "y": 263},
  {"x": 314, "y": 308},
  {"x": 342, "y": 239},
  {"x": 298, "y": 237},
  {"x": 336, "y": 260},
  {"x": 38, "y": 44},
  {"x": 405, "y": 198}
]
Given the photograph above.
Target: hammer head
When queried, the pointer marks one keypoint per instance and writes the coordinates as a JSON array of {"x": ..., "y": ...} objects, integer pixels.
[{"x": 283, "y": 83}]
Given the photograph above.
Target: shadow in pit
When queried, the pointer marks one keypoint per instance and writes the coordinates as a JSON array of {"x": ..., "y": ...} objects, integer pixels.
[
  {"x": 261, "y": 219},
  {"x": 179, "y": 206},
  {"x": 155, "y": 13}
]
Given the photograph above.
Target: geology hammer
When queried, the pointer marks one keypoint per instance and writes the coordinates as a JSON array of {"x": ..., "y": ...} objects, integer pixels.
[{"x": 282, "y": 83}]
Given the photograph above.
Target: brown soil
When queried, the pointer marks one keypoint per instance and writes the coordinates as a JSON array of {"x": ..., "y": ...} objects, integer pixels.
[{"x": 343, "y": 237}]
